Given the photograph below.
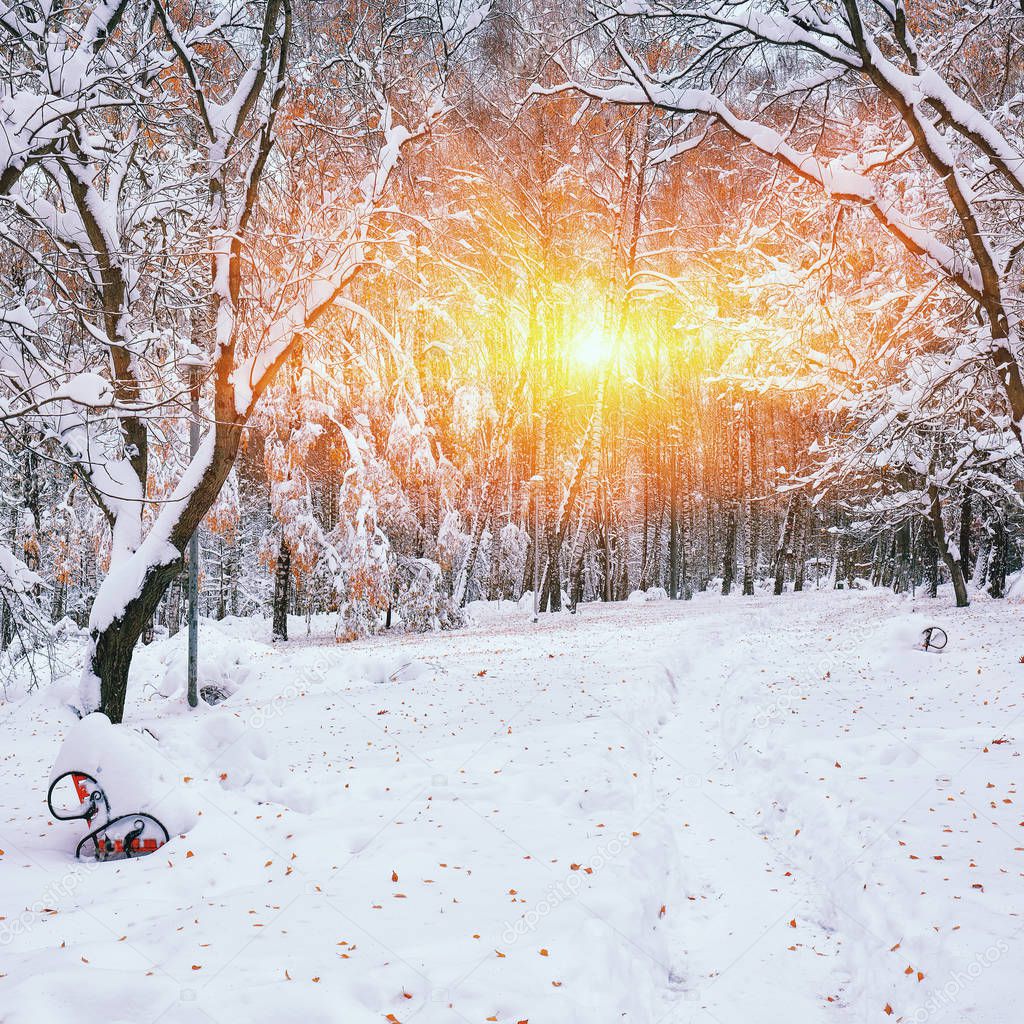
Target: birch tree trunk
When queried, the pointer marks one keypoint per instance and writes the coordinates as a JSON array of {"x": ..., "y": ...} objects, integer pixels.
[{"x": 282, "y": 586}]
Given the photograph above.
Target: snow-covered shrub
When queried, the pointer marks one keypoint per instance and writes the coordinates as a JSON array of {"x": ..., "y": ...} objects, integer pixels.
[
  {"x": 513, "y": 544},
  {"x": 425, "y": 606},
  {"x": 452, "y": 546},
  {"x": 363, "y": 579},
  {"x": 25, "y": 629}
]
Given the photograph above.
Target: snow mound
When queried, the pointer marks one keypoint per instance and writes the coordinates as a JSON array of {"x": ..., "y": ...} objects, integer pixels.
[
  {"x": 648, "y": 596},
  {"x": 903, "y": 633},
  {"x": 1015, "y": 588},
  {"x": 134, "y": 773},
  {"x": 486, "y": 611},
  {"x": 226, "y": 661}
]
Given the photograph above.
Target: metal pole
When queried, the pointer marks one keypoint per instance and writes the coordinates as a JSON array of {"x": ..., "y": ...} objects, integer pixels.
[{"x": 193, "y": 556}]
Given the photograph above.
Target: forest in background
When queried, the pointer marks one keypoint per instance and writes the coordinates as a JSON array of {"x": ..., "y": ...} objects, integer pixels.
[{"x": 585, "y": 329}]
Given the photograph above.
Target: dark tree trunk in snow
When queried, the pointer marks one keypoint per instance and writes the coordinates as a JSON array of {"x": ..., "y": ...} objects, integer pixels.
[
  {"x": 686, "y": 552},
  {"x": 222, "y": 594},
  {"x": 997, "y": 561},
  {"x": 749, "y": 566},
  {"x": 751, "y": 509},
  {"x": 673, "y": 539},
  {"x": 798, "y": 579},
  {"x": 901, "y": 559},
  {"x": 965, "y": 531},
  {"x": 982, "y": 557},
  {"x": 114, "y": 646},
  {"x": 6, "y": 625},
  {"x": 729, "y": 558},
  {"x": 606, "y": 546},
  {"x": 553, "y": 578},
  {"x": 953, "y": 565},
  {"x": 801, "y": 552},
  {"x": 282, "y": 579},
  {"x": 931, "y": 560},
  {"x": 784, "y": 548},
  {"x": 113, "y": 642},
  {"x": 60, "y": 592}
]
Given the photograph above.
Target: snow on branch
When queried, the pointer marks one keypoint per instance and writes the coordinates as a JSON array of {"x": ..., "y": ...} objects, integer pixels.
[{"x": 838, "y": 177}]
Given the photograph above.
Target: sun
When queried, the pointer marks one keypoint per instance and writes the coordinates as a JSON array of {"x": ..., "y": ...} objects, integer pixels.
[{"x": 591, "y": 347}]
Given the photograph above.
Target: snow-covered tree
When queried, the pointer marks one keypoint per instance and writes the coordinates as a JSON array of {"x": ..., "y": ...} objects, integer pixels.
[
  {"x": 361, "y": 560},
  {"x": 141, "y": 156}
]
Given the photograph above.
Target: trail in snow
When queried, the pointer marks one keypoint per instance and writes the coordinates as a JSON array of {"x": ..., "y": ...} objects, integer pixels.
[{"x": 721, "y": 811}]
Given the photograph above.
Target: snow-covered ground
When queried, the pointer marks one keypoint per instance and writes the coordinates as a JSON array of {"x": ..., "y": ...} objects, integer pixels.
[{"x": 725, "y": 811}]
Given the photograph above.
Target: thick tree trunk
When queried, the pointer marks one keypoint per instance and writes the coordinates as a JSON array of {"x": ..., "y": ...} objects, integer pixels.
[
  {"x": 965, "y": 531},
  {"x": 112, "y": 648},
  {"x": 113, "y": 642},
  {"x": 931, "y": 560},
  {"x": 900, "y": 580},
  {"x": 552, "y": 597},
  {"x": 60, "y": 592},
  {"x": 982, "y": 557},
  {"x": 997, "y": 561},
  {"x": 953, "y": 565}
]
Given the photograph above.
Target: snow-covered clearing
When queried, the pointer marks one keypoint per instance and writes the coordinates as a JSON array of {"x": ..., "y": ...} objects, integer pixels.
[{"x": 725, "y": 811}]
